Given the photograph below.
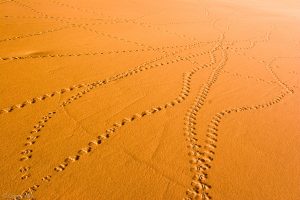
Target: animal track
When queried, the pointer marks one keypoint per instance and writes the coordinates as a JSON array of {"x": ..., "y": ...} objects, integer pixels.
[
  {"x": 78, "y": 8},
  {"x": 276, "y": 77},
  {"x": 43, "y": 97},
  {"x": 89, "y": 88},
  {"x": 271, "y": 70},
  {"x": 128, "y": 73},
  {"x": 85, "y": 27},
  {"x": 97, "y": 52},
  {"x": 11, "y": 108},
  {"x": 249, "y": 77},
  {"x": 117, "y": 125},
  {"x": 252, "y": 42},
  {"x": 40, "y": 98},
  {"x": 136, "y": 70},
  {"x": 199, "y": 188},
  {"x": 31, "y": 35},
  {"x": 231, "y": 43},
  {"x": 51, "y": 17},
  {"x": 118, "y": 20},
  {"x": 31, "y": 139},
  {"x": 201, "y": 156},
  {"x": 181, "y": 97}
]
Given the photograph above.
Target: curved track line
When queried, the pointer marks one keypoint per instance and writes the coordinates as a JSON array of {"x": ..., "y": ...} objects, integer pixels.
[
  {"x": 190, "y": 122},
  {"x": 26, "y": 154},
  {"x": 119, "y": 20},
  {"x": 201, "y": 157},
  {"x": 32, "y": 34},
  {"x": 51, "y": 17},
  {"x": 84, "y": 27},
  {"x": 96, "y": 53},
  {"x": 61, "y": 91},
  {"x": 136, "y": 70},
  {"x": 91, "y": 146}
]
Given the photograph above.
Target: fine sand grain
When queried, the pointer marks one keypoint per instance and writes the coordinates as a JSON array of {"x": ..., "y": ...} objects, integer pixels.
[{"x": 135, "y": 100}]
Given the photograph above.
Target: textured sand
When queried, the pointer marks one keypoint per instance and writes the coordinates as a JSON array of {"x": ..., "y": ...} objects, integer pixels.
[{"x": 149, "y": 99}]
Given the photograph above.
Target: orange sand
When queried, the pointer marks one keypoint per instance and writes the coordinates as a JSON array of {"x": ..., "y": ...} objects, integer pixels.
[{"x": 149, "y": 99}]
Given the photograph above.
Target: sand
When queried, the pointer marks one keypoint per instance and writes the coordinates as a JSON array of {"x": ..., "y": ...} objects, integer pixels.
[{"x": 149, "y": 99}]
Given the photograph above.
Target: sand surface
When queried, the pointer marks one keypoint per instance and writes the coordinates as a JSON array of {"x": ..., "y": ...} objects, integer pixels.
[{"x": 170, "y": 99}]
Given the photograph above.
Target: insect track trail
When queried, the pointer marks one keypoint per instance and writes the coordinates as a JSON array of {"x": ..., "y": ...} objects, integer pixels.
[
  {"x": 269, "y": 68},
  {"x": 96, "y": 53},
  {"x": 235, "y": 74},
  {"x": 32, "y": 139},
  {"x": 82, "y": 26},
  {"x": 201, "y": 157},
  {"x": 91, "y": 146},
  {"x": 199, "y": 190},
  {"x": 52, "y": 17},
  {"x": 27, "y": 153},
  {"x": 253, "y": 42},
  {"x": 51, "y": 94},
  {"x": 70, "y": 25},
  {"x": 143, "y": 67},
  {"x": 64, "y": 90},
  {"x": 32, "y": 34},
  {"x": 120, "y": 20}
]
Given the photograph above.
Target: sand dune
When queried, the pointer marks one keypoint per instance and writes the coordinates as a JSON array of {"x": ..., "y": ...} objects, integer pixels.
[{"x": 145, "y": 99}]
